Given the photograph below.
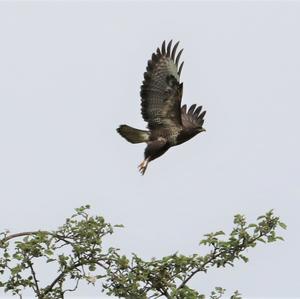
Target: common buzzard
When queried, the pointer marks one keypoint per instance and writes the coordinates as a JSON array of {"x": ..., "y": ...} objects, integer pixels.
[{"x": 169, "y": 123}]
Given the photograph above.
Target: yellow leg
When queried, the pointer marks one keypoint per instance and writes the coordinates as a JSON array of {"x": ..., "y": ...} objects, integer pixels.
[{"x": 143, "y": 166}]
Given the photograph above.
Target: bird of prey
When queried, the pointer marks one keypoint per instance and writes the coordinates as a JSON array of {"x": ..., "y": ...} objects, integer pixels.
[{"x": 169, "y": 123}]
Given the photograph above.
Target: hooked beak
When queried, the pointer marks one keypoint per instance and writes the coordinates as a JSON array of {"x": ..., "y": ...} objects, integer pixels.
[{"x": 202, "y": 130}]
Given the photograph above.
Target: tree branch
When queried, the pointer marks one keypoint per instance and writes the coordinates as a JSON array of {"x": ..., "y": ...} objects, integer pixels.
[
  {"x": 34, "y": 278},
  {"x": 22, "y": 234},
  {"x": 60, "y": 276},
  {"x": 239, "y": 248}
]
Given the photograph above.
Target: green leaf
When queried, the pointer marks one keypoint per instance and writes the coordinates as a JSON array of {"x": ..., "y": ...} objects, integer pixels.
[
  {"x": 261, "y": 240},
  {"x": 282, "y": 225},
  {"x": 92, "y": 268},
  {"x": 119, "y": 225},
  {"x": 244, "y": 258},
  {"x": 219, "y": 233},
  {"x": 50, "y": 260},
  {"x": 252, "y": 225}
]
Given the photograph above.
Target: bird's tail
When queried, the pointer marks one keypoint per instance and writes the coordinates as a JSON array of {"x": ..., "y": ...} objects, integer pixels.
[{"x": 133, "y": 135}]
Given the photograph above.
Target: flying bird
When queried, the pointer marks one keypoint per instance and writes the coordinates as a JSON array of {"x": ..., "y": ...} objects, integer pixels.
[{"x": 169, "y": 123}]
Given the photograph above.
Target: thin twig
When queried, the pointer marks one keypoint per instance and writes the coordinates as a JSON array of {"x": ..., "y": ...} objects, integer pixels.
[
  {"x": 75, "y": 287},
  {"x": 34, "y": 278}
]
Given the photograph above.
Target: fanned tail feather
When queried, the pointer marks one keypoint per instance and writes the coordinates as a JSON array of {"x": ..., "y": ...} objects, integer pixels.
[{"x": 133, "y": 135}]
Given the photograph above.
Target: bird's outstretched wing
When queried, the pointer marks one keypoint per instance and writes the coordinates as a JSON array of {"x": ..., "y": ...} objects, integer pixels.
[
  {"x": 192, "y": 118},
  {"x": 161, "y": 91}
]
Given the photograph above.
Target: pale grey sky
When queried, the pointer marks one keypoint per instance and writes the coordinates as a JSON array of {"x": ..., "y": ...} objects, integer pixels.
[{"x": 70, "y": 73}]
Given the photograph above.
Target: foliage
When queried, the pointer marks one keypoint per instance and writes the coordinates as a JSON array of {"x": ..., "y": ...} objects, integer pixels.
[{"x": 76, "y": 250}]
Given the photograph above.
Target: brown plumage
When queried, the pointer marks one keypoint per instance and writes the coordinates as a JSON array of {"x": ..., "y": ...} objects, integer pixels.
[{"x": 169, "y": 124}]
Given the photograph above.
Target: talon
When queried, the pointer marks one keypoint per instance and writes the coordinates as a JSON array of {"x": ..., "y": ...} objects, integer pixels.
[{"x": 143, "y": 166}]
